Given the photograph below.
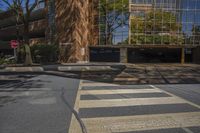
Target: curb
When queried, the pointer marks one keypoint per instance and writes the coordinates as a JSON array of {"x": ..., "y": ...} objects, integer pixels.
[{"x": 62, "y": 68}]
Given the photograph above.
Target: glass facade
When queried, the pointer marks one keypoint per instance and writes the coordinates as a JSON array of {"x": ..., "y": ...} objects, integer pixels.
[
  {"x": 137, "y": 22},
  {"x": 113, "y": 21}
]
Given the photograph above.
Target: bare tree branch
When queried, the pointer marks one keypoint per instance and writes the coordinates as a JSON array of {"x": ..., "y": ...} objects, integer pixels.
[
  {"x": 27, "y": 6},
  {"x": 7, "y": 2},
  {"x": 34, "y": 5}
]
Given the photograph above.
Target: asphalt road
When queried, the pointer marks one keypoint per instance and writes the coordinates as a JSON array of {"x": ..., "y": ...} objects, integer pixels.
[
  {"x": 190, "y": 92},
  {"x": 34, "y": 103}
]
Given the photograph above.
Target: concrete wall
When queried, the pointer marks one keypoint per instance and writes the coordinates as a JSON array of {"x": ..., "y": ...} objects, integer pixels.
[{"x": 123, "y": 55}]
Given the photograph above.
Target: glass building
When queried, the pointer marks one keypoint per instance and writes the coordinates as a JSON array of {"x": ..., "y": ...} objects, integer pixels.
[
  {"x": 155, "y": 22},
  {"x": 113, "y": 21}
]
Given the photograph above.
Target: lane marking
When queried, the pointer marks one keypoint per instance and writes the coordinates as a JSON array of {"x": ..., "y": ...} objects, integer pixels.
[
  {"x": 74, "y": 125},
  {"x": 119, "y": 91},
  {"x": 143, "y": 122},
  {"x": 132, "y": 123},
  {"x": 128, "y": 102},
  {"x": 98, "y": 84}
]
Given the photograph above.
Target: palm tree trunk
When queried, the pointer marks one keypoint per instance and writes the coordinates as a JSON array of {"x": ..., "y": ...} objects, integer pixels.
[
  {"x": 28, "y": 58},
  {"x": 72, "y": 28}
]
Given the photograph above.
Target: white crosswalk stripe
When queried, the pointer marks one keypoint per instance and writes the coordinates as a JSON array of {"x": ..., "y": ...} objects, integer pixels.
[
  {"x": 128, "y": 123},
  {"x": 119, "y": 91},
  {"x": 128, "y": 102},
  {"x": 144, "y": 122}
]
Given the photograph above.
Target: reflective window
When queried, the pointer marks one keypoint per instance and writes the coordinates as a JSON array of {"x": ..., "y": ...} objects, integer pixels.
[{"x": 166, "y": 22}]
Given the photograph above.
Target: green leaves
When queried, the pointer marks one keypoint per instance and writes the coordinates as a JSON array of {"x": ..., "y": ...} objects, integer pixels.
[{"x": 156, "y": 27}]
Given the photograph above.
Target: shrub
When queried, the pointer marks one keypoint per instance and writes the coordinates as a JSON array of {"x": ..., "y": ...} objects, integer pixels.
[
  {"x": 10, "y": 60},
  {"x": 43, "y": 53}
]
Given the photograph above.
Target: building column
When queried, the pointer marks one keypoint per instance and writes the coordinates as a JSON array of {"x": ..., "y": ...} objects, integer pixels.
[
  {"x": 50, "y": 33},
  {"x": 182, "y": 55},
  {"x": 123, "y": 55}
]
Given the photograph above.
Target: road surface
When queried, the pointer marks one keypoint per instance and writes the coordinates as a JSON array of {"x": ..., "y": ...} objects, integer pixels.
[
  {"x": 140, "y": 99},
  {"x": 112, "y": 108},
  {"x": 34, "y": 103}
]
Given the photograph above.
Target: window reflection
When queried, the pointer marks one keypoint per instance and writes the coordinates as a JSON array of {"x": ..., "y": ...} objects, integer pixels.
[{"x": 165, "y": 22}]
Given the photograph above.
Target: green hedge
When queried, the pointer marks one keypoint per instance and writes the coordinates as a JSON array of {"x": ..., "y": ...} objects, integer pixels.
[{"x": 43, "y": 53}]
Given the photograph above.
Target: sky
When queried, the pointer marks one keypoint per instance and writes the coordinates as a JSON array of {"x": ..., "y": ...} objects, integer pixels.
[{"x": 4, "y": 6}]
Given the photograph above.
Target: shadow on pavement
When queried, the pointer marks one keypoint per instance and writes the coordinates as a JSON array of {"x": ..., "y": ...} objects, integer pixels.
[
  {"x": 21, "y": 83},
  {"x": 134, "y": 74},
  {"x": 140, "y": 74}
]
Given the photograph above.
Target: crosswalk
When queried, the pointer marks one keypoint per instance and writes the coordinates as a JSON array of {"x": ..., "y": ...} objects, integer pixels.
[{"x": 110, "y": 108}]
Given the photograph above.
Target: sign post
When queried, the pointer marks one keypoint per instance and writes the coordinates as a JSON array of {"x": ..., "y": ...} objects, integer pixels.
[{"x": 14, "y": 44}]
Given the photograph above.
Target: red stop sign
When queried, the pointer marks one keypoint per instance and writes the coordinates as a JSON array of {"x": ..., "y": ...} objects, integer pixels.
[{"x": 14, "y": 43}]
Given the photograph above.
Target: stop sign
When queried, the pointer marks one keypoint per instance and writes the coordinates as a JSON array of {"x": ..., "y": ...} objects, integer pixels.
[{"x": 14, "y": 43}]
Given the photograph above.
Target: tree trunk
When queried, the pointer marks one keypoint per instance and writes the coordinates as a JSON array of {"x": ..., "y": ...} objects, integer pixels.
[
  {"x": 28, "y": 58},
  {"x": 26, "y": 33},
  {"x": 72, "y": 29},
  {"x": 109, "y": 38}
]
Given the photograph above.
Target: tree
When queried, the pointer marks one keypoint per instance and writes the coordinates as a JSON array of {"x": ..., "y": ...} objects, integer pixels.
[
  {"x": 22, "y": 9},
  {"x": 113, "y": 14},
  {"x": 72, "y": 20},
  {"x": 157, "y": 27}
]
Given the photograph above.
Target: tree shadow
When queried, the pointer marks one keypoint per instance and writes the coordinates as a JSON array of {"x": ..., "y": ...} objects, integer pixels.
[
  {"x": 133, "y": 75},
  {"x": 139, "y": 74},
  {"x": 11, "y": 89},
  {"x": 125, "y": 76}
]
